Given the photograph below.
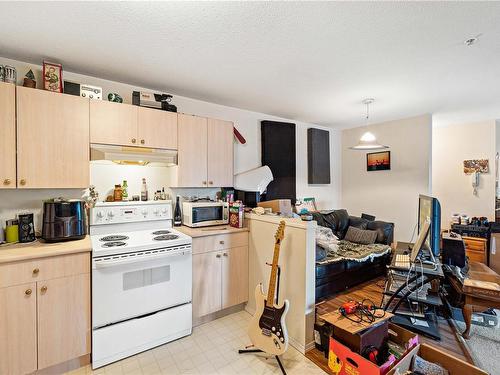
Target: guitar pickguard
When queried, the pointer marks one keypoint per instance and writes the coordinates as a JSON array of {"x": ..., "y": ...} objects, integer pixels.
[{"x": 270, "y": 323}]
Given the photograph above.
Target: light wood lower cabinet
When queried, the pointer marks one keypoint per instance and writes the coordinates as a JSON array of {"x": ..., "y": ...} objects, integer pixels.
[
  {"x": 207, "y": 280},
  {"x": 476, "y": 249},
  {"x": 63, "y": 319},
  {"x": 47, "y": 321},
  {"x": 234, "y": 276},
  {"x": 18, "y": 329},
  {"x": 220, "y": 277}
]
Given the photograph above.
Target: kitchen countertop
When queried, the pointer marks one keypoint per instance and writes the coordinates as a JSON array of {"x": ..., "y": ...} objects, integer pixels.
[
  {"x": 41, "y": 249},
  {"x": 210, "y": 231}
]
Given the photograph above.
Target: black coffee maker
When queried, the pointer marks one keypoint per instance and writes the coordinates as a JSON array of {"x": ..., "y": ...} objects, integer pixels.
[{"x": 64, "y": 220}]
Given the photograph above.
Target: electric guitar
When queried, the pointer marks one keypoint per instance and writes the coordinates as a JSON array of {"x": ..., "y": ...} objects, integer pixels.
[{"x": 267, "y": 328}]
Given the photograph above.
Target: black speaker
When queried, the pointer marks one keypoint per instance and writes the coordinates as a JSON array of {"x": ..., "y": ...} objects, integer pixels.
[{"x": 453, "y": 251}]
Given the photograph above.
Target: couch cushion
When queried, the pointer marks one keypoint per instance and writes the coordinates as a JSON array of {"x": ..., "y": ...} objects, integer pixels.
[
  {"x": 385, "y": 231},
  {"x": 342, "y": 218},
  {"x": 360, "y": 236},
  {"x": 336, "y": 220},
  {"x": 358, "y": 222},
  {"x": 330, "y": 269}
]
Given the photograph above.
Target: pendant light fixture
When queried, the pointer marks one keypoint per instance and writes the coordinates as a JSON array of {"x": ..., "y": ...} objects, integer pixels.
[{"x": 368, "y": 141}]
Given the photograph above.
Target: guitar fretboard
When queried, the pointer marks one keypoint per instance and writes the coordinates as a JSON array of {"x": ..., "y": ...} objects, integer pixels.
[{"x": 274, "y": 272}]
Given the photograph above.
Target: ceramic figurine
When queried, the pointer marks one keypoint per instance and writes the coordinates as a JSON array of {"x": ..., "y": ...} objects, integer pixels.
[
  {"x": 113, "y": 97},
  {"x": 29, "y": 80}
]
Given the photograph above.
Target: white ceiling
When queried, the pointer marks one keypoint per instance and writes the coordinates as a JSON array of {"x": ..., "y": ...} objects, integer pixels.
[{"x": 306, "y": 61}]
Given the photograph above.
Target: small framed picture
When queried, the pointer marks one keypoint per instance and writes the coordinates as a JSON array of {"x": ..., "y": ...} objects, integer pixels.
[
  {"x": 378, "y": 161},
  {"x": 52, "y": 77}
]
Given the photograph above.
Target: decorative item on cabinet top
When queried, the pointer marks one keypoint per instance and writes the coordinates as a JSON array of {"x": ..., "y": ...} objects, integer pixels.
[
  {"x": 153, "y": 100},
  {"x": 133, "y": 155},
  {"x": 52, "y": 77}
]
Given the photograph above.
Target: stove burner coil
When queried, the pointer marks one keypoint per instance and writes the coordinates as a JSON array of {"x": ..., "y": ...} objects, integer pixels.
[
  {"x": 166, "y": 237},
  {"x": 114, "y": 243},
  {"x": 114, "y": 238},
  {"x": 158, "y": 232}
]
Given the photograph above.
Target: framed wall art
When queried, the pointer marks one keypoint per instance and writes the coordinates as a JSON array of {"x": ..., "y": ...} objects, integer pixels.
[
  {"x": 52, "y": 77},
  {"x": 378, "y": 161}
]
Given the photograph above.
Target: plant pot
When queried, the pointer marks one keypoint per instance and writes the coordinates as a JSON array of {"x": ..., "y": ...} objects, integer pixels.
[{"x": 28, "y": 82}]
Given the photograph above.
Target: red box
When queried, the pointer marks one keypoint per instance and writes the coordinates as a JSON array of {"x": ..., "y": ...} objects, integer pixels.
[{"x": 343, "y": 361}]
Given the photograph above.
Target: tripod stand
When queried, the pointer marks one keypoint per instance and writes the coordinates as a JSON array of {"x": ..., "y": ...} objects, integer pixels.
[{"x": 247, "y": 350}]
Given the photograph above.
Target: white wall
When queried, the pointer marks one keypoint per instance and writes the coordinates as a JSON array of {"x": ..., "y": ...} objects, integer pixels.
[
  {"x": 390, "y": 195},
  {"x": 246, "y": 156},
  {"x": 451, "y": 146}
]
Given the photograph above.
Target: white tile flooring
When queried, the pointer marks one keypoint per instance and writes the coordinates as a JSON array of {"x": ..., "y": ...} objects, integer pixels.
[{"x": 211, "y": 349}]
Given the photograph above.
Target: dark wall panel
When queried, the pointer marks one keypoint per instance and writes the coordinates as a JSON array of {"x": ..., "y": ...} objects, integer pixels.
[
  {"x": 318, "y": 156},
  {"x": 278, "y": 152}
]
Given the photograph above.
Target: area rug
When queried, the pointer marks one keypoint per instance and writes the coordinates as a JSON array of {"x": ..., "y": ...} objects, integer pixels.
[{"x": 483, "y": 345}]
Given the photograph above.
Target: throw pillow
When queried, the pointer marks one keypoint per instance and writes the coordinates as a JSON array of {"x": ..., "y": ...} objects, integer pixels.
[
  {"x": 360, "y": 236},
  {"x": 358, "y": 222}
]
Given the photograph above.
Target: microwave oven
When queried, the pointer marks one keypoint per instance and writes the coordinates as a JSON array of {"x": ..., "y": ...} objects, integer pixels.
[{"x": 203, "y": 214}]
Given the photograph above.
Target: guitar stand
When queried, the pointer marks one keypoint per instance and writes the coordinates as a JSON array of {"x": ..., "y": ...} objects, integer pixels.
[{"x": 246, "y": 350}]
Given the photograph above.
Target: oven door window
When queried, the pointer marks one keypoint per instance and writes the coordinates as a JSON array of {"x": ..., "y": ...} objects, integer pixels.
[
  {"x": 201, "y": 214},
  {"x": 146, "y": 277}
]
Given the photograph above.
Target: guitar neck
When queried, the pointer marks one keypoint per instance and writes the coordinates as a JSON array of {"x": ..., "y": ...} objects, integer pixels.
[{"x": 274, "y": 273}]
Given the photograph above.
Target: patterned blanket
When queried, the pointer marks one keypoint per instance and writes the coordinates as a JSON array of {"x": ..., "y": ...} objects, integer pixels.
[{"x": 346, "y": 250}]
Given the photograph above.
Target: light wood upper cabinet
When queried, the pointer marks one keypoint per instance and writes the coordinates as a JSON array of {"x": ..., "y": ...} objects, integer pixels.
[
  {"x": 234, "y": 276},
  {"x": 205, "y": 152},
  {"x": 156, "y": 128},
  {"x": 207, "y": 278},
  {"x": 63, "y": 319},
  {"x": 18, "y": 329},
  {"x": 7, "y": 136},
  {"x": 113, "y": 123},
  {"x": 52, "y": 140},
  {"x": 220, "y": 153},
  {"x": 192, "y": 156}
]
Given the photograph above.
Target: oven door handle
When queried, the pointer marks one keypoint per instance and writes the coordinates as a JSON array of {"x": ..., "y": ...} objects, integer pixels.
[{"x": 135, "y": 259}]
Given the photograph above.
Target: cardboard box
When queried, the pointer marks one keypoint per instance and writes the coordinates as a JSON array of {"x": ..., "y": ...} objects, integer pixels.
[
  {"x": 283, "y": 206},
  {"x": 343, "y": 361},
  {"x": 454, "y": 365},
  {"x": 357, "y": 342}
]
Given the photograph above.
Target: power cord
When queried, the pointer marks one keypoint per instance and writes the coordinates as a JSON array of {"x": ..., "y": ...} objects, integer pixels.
[{"x": 364, "y": 311}]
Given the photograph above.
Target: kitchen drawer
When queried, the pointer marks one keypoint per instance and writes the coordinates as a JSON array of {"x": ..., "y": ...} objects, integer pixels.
[
  {"x": 43, "y": 269},
  {"x": 479, "y": 246},
  {"x": 219, "y": 242}
]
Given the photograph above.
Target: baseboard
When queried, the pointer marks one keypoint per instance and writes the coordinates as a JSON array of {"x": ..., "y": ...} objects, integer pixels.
[
  {"x": 218, "y": 314},
  {"x": 64, "y": 367}
]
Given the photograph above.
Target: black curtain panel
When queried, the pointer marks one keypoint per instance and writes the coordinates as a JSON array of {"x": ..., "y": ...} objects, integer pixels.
[
  {"x": 318, "y": 156},
  {"x": 278, "y": 153}
]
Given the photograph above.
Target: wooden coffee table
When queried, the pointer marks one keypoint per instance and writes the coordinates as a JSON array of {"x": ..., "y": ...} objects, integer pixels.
[{"x": 481, "y": 290}]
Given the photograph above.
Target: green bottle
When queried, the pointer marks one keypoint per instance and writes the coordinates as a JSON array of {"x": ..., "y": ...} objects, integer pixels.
[{"x": 125, "y": 190}]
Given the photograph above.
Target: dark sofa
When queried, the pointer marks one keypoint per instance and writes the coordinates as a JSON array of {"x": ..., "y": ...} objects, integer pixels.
[{"x": 334, "y": 277}]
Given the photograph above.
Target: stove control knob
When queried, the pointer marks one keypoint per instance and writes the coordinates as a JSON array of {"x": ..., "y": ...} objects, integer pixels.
[
  {"x": 111, "y": 214},
  {"x": 144, "y": 212},
  {"x": 100, "y": 214},
  {"x": 164, "y": 211},
  {"x": 156, "y": 211}
]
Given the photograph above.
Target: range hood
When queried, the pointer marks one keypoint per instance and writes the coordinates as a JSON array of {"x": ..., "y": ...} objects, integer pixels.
[{"x": 133, "y": 155}]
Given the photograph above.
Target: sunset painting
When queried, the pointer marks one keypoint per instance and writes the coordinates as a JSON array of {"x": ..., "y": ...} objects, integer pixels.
[{"x": 378, "y": 161}]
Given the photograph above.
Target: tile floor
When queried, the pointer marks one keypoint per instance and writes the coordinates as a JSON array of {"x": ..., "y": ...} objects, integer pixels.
[{"x": 211, "y": 349}]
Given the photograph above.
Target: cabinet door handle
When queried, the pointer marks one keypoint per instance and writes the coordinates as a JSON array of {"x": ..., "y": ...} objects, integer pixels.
[
  {"x": 210, "y": 182},
  {"x": 142, "y": 141},
  {"x": 36, "y": 271},
  {"x": 6, "y": 181},
  {"x": 28, "y": 292},
  {"x": 43, "y": 289},
  {"x": 221, "y": 242},
  {"x": 217, "y": 256},
  {"x": 225, "y": 254},
  {"x": 22, "y": 182},
  {"x": 204, "y": 182},
  {"x": 133, "y": 140}
]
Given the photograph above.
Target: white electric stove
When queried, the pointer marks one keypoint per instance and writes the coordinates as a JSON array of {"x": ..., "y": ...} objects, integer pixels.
[{"x": 141, "y": 279}]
